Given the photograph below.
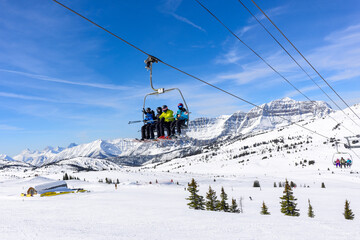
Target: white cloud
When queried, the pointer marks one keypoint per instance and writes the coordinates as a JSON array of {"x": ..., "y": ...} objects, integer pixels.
[
  {"x": 51, "y": 79},
  {"x": 170, "y": 7},
  {"x": 9, "y": 128},
  {"x": 230, "y": 57},
  {"x": 185, "y": 20}
]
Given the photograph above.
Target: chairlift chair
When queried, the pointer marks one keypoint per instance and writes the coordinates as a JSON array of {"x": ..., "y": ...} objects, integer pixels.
[
  {"x": 339, "y": 155},
  {"x": 353, "y": 142},
  {"x": 149, "y": 61}
]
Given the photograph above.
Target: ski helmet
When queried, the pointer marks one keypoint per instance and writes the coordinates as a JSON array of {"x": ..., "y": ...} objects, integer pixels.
[
  {"x": 148, "y": 110},
  {"x": 158, "y": 109},
  {"x": 164, "y": 107},
  {"x": 180, "y": 105}
]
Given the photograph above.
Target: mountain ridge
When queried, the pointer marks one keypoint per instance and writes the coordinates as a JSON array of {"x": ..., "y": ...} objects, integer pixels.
[{"x": 201, "y": 132}]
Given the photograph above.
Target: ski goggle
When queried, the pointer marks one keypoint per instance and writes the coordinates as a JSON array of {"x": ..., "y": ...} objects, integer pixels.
[{"x": 180, "y": 106}]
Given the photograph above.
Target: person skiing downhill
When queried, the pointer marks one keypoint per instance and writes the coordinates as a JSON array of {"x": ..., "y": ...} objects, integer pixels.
[
  {"x": 180, "y": 118},
  {"x": 147, "y": 130},
  {"x": 166, "y": 118}
]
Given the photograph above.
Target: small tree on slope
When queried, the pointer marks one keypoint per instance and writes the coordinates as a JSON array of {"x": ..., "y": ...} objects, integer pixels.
[
  {"x": 264, "y": 209},
  {"x": 196, "y": 201},
  {"x": 223, "y": 205},
  {"x": 211, "y": 200},
  {"x": 310, "y": 210},
  {"x": 348, "y": 214},
  {"x": 234, "y": 207},
  {"x": 288, "y": 205}
]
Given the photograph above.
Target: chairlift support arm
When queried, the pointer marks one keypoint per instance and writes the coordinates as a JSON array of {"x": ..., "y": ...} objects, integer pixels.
[{"x": 157, "y": 91}]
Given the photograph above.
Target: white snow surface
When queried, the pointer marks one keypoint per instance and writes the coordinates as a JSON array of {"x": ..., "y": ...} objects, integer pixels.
[
  {"x": 200, "y": 131},
  {"x": 5, "y": 157},
  {"x": 140, "y": 210}
]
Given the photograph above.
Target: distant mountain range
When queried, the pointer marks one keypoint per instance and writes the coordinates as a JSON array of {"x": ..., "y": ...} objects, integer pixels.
[{"x": 201, "y": 132}]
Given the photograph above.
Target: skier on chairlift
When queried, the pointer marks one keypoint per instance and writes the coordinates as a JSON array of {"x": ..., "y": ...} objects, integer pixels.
[
  {"x": 166, "y": 118},
  {"x": 147, "y": 131},
  {"x": 337, "y": 163},
  {"x": 342, "y": 162},
  {"x": 158, "y": 121},
  {"x": 348, "y": 162},
  {"x": 180, "y": 118}
]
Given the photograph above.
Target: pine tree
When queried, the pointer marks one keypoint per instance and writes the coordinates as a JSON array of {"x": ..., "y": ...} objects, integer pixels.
[
  {"x": 212, "y": 202},
  {"x": 234, "y": 207},
  {"x": 274, "y": 184},
  {"x": 264, "y": 209},
  {"x": 223, "y": 205},
  {"x": 348, "y": 214},
  {"x": 196, "y": 201},
  {"x": 66, "y": 177},
  {"x": 310, "y": 210},
  {"x": 288, "y": 205},
  {"x": 322, "y": 185}
]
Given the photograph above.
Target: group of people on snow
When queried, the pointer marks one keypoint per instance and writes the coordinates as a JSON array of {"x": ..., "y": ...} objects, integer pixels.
[
  {"x": 343, "y": 163},
  {"x": 164, "y": 119}
]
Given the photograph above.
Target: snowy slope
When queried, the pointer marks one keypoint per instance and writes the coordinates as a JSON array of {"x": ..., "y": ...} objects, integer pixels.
[
  {"x": 201, "y": 133},
  {"x": 142, "y": 209},
  {"x": 5, "y": 157},
  {"x": 293, "y": 111}
]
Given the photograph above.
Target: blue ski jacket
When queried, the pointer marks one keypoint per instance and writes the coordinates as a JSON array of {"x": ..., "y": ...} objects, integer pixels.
[
  {"x": 182, "y": 113},
  {"x": 149, "y": 118}
]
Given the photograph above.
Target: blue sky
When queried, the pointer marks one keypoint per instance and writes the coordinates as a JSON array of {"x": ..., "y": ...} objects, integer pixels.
[{"x": 63, "y": 80}]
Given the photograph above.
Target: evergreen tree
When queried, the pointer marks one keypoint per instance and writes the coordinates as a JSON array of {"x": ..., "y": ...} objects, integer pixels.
[
  {"x": 348, "y": 214},
  {"x": 223, "y": 205},
  {"x": 264, "y": 209},
  {"x": 274, "y": 184},
  {"x": 310, "y": 210},
  {"x": 234, "y": 207},
  {"x": 256, "y": 183},
  {"x": 288, "y": 205},
  {"x": 322, "y": 185},
  {"x": 66, "y": 177},
  {"x": 196, "y": 201},
  {"x": 211, "y": 200}
]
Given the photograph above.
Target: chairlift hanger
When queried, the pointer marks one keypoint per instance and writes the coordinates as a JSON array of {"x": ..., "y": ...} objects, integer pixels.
[
  {"x": 157, "y": 91},
  {"x": 338, "y": 155},
  {"x": 353, "y": 142}
]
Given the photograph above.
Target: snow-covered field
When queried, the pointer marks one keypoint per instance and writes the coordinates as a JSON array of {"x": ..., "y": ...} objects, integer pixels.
[{"x": 139, "y": 210}]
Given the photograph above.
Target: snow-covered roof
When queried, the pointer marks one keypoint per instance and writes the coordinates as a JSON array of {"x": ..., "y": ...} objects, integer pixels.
[{"x": 52, "y": 186}]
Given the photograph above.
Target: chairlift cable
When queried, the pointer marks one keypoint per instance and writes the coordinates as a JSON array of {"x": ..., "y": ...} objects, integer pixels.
[
  {"x": 236, "y": 36},
  {"x": 192, "y": 76},
  {"x": 251, "y": 49},
  {"x": 273, "y": 37},
  {"x": 305, "y": 58}
]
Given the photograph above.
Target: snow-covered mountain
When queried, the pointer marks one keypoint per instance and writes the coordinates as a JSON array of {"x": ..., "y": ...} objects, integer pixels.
[
  {"x": 5, "y": 157},
  {"x": 286, "y": 110},
  {"x": 293, "y": 111},
  {"x": 201, "y": 132},
  {"x": 38, "y": 158}
]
